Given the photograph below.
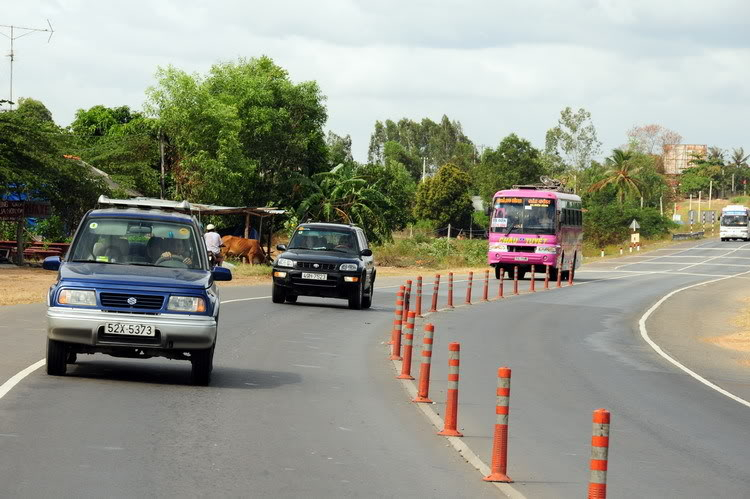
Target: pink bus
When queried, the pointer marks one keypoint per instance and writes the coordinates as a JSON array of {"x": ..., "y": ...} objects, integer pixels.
[{"x": 533, "y": 226}]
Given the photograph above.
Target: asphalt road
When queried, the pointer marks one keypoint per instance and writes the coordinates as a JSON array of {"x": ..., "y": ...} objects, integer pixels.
[{"x": 303, "y": 400}]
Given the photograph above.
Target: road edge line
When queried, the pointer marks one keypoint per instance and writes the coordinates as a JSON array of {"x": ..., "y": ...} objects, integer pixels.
[
  {"x": 675, "y": 362},
  {"x": 457, "y": 444},
  {"x": 19, "y": 376}
]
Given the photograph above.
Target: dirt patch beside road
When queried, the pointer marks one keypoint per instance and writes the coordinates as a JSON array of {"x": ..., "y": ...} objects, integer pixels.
[
  {"x": 24, "y": 285},
  {"x": 740, "y": 340}
]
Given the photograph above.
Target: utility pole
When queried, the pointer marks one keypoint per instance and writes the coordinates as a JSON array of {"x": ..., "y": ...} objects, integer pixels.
[
  {"x": 161, "y": 153},
  {"x": 424, "y": 167},
  {"x": 13, "y": 37}
]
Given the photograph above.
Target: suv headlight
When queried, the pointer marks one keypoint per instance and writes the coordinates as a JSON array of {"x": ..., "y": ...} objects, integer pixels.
[
  {"x": 85, "y": 297},
  {"x": 186, "y": 304},
  {"x": 349, "y": 267},
  {"x": 284, "y": 262}
]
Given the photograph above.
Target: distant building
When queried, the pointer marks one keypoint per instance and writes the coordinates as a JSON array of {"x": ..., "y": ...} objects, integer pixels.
[{"x": 678, "y": 157}]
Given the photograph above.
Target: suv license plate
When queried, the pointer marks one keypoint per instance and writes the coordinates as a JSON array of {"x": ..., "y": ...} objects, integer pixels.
[
  {"x": 129, "y": 329},
  {"x": 521, "y": 259},
  {"x": 315, "y": 277}
]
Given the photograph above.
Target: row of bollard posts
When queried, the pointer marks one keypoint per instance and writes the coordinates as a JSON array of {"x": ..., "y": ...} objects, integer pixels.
[{"x": 404, "y": 321}]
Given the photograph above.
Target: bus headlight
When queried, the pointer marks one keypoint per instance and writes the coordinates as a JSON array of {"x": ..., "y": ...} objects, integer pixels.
[{"x": 498, "y": 247}]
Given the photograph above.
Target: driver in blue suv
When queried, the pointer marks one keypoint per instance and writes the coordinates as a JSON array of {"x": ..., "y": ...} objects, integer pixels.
[{"x": 136, "y": 283}]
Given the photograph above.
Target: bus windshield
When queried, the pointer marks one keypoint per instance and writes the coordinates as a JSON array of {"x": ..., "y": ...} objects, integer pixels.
[
  {"x": 734, "y": 220},
  {"x": 523, "y": 215}
]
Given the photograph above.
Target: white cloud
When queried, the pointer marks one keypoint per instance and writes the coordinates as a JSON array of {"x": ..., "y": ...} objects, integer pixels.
[{"x": 497, "y": 67}]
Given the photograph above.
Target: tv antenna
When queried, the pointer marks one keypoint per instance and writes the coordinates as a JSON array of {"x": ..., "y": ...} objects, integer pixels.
[{"x": 17, "y": 32}]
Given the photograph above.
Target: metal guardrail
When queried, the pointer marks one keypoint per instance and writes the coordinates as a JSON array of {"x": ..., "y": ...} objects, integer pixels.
[{"x": 687, "y": 235}]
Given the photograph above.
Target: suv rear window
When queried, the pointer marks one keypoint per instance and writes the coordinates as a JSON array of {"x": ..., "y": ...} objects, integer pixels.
[
  {"x": 320, "y": 239},
  {"x": 137, "y": 242}
]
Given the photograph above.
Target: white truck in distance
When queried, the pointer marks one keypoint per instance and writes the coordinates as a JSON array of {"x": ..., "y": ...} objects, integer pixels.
[{"x": 735, "y": 220}]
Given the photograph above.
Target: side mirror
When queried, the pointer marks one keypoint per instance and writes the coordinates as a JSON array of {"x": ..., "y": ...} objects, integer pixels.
[
  {"x": 52, "y": 263},
  {"x": 281, "y": 247},
  {"x": 366, "y": 252},
  {"x": 221, "y": 274}
]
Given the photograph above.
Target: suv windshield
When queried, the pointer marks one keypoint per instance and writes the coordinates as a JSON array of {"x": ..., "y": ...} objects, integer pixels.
[
  {"x": 344, "y": 241},
  {"x": 128, "y": 241}
]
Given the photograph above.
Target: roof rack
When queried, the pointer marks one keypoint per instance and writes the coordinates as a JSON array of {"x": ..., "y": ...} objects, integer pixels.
[
  {"x": 146, "y": 203},
  {"x": 548, "y": 184}
]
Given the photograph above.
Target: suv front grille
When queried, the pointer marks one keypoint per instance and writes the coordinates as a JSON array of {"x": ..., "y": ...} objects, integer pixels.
[
  {"x": 119, "y": 300},
  {"x": 320, "y": 266}
]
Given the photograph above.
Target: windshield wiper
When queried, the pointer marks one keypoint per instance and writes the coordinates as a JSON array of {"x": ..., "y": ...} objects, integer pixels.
[{"x": 511, "y": 229}]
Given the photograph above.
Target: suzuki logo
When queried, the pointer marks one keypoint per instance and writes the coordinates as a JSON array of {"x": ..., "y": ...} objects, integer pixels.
[{"x": 132, "y": 301}]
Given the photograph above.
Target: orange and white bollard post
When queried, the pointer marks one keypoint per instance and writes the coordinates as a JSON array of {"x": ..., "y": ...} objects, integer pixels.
[
  {"x": 418, "y": 307},
  {"x": 486, "y": 291},
  {"x": 423, "y": 386},
  {"x": 571, "y": 274},
  {"x": 501, "y": 284},
  {"x": 532, "y": 285},
  {"x": 599, "y": 455},
  {"x": 450, "y": 289},
  {"x": 546, "y": 277},
  {"x": 435, "y": 291},
  {"x": 515, "y": 279},
  {"x": 408, "y": 347},
  {"x": 499, "y": 470},
  {"x": 407, "y": 301},
  {"x": 559, "y": 276},
  {"x": 396, "y": 331},
  {"x": 451, "y": 403},
  {"x": 468, "y": 288}
]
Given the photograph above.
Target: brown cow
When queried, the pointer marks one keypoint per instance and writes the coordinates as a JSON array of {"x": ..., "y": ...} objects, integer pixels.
[{"x": 248, "y": 250}]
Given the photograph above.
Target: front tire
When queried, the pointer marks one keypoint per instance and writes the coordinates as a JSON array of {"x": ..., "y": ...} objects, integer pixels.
[
  {"x": 202, "y": 364},
  {"x": 356, "y": 297},
  {"x": 290, "y": 298},
  {"x": 498, "y": 271},
  {"x": 367, "y": 299},
  {"x": 278, "y": 294},
  {"x": 57, "y": 355}
]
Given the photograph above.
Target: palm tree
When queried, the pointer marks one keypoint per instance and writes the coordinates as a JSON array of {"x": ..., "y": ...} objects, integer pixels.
[
  {"x": 342, "y": 196},
  {"x": 620, "y": 174},
  {"x": 739, "y": 158}
]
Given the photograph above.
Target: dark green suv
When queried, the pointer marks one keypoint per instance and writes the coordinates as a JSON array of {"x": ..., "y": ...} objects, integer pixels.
[{"x": 325, "y": 260}]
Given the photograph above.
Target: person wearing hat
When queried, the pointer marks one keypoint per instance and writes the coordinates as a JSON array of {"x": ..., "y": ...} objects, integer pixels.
[{"x": 213, "y": 243}]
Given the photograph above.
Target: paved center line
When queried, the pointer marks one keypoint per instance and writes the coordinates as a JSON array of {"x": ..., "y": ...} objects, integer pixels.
[{"x": 715, "y": 257}]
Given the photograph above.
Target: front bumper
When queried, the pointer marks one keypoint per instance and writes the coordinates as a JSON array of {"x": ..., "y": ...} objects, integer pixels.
[
  {"x": 333, "y": 287},
  {"x": 519, "y": 258},
  {"x": 173, "y": 331}
]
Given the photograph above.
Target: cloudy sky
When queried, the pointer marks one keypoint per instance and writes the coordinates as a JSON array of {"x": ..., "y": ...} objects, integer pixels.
[{"x": 497, "y": 67}]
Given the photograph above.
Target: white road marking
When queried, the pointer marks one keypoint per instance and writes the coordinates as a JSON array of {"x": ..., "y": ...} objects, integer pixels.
[
  {"x": 714, "y": 258},
  {"x": 8, "y": 385},
  {"x": 657, "y": 348},
  {"x": 305, "y": 365}
]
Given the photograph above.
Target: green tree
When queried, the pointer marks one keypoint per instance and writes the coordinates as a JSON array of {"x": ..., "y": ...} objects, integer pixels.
[
  {"x": 395, "y": 183},
  {"x": 444, "y": 198},
  {"x": 621, "y": 174},
  {"x": 339, "y": 149},
  {"x": 438, "y": 143},
  {"x": 514, "y": 162},
  {"x": 573, "y": 139},
  {"x": 242, "y": 134},
  {"x": 34, "y": 110},
  {"x": 32, "y": 166},
  {"x": 343, "y": 196}
]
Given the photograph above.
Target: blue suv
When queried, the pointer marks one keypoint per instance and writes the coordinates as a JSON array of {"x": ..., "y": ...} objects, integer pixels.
[{"x": 136, "y": 283}]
